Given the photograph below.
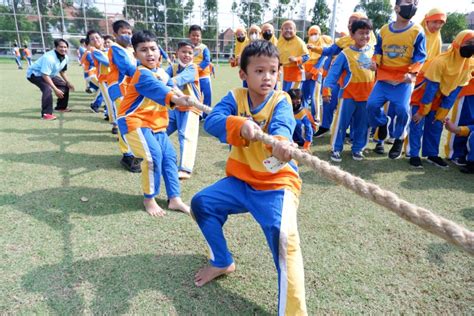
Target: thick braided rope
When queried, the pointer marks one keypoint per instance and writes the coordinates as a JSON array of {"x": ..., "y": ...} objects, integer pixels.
[{"x": 422, "y": 217}]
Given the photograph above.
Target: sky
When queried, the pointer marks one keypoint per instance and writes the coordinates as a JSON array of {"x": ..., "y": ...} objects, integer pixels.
[{"x": 345, "y": 8}]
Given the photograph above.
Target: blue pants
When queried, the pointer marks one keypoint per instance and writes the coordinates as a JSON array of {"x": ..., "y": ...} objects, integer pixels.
[
  {"x": 329, "y": 108},
  {"x": 98, "y": 96},
  {"x": 187, "y": 125},
  {"x": 288, "y": 85},
  {"x": 427, "y": 129},
  {"x": 393, "y": 118},
  {"x": 399, "y": 98},
  {"x": 206, "y": 90},
  {"x": 461, "y": 114},
  {"x": 353, "y": 113},
  {"x": 275, "y": 211},
  {"x": 159, "y": 158},
  {"x": 311, "y": 90},
  {"x": 470, "y": 147},
  {"x": 28, "y": 60},
  {"x": 300, "y": 133}
]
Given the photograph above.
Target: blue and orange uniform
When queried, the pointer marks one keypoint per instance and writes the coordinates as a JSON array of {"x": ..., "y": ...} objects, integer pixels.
[
  {"x": 27, "y": 53},
  {"x": 292, "y": 70},
  {"x": 101, "y": 63},
  {"x": 271, "y": 197},
  {"x": 90, "y": 76},
  {"x": 16, "y": 52},
  {"x": 462, "y": 114},
  {"x": 122, "y": 67},
  {"x": 185, "y": 119},
  {"x": 202, "y": 58},
  {"x": 397, "y": 53},
  {"x": 303, "y": 134},
  {"x": 142, "y": 120},
  {"x": 434, "y": 97},
  {"x": 311, "y": 87},
  {"x": 352, "y": 66},
  {"x": 80, "y": 51}
]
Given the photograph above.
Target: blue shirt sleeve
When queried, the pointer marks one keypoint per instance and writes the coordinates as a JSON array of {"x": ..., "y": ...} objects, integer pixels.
[
  {"x": 378, "y": 47},
  {"x": 215, "y": 123},
  {"x": 331, "y": 50},
  {"x": 152, "y": 88},
  {"x": 419, "y": 52},
  {"x": 308, "y": 137},
  {"x": 101, "y": 58},
  {"x": 340, "y": 64},
  {"x": 163, "y": 53},
  {"x": 206, "y": 58},
  {"x": 186, "y": 76},
  {"x": 448, "y": 101},
  {"x": 304, "y": 58},
  {"x": 430, "y": 91},
  {"x": 283, "y": 121},
  {"x": 90, "y": 60},
  {"x": 321, "y": 62},
  {"x": 123, "y": 61}
]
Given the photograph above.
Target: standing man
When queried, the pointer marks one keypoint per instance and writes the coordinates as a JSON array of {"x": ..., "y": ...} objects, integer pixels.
[{"x": 49, "y": 74}]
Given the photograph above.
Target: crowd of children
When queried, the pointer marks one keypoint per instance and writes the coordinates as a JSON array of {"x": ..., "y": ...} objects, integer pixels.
[{"x": 396, "y": 84}]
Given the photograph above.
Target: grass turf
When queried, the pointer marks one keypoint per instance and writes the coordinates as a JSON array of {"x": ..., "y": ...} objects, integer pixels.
[{"x": 61, "y": 255}]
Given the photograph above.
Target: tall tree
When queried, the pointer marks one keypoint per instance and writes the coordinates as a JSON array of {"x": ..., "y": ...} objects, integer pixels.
[
  {"x": 209, "y": 16},
  {"x": 378, "y": 11},
  {"x": 250, "y": 11},
  {"x": 321, "y": 14},
  {"x": 455, "y": 23},
  {"x": 284, "y": 11}
]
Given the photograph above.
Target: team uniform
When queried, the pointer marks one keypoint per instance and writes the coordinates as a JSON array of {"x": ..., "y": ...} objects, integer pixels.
[
  {"x": 311, "y": 87},
  {"x": 272, "y": 198},
  {"x": 185, "y": 119},
  {"x": 80, "y": 51},
  {"x": 90, "y": 76},
  {"x": 462, "y": 114},
  {"x": 122, "y": 67},
  {"x": 202, "y": 58},
  {"x": 444, "y": 79},
  {"x": 353, "y": 67},
  {"x": 303, "y": 134},
  {"x": 101, "y": 63},
  {"x": 292, "y": 71},
  {"x": 142, "y": 121},
  {"x": 397, "y": 53}
]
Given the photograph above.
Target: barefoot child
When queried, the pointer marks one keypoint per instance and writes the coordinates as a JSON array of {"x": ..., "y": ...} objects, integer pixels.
[
  {"x": 185, "y": 119},
  {"x": 143, "y": 118},
  {"x": 270, "y": 194}
]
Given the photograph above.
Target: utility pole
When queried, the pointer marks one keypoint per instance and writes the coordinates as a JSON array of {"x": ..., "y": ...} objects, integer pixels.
[{"x": 333, "y": 19}]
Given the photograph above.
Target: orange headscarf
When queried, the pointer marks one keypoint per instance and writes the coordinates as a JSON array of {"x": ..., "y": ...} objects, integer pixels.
[
  {"x": 433, "y": 40},
  {"x": 450, "y": 69}
]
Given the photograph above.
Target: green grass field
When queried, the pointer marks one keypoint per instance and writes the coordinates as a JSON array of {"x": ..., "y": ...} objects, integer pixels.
[{"x": 61, "y": 255}]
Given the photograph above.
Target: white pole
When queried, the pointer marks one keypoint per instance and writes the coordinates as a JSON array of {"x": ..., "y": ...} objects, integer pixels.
[
  {"x": 16, "y": 23},
  {"x": 333, "y": 19},
  {"x": 41, "y": 26}
]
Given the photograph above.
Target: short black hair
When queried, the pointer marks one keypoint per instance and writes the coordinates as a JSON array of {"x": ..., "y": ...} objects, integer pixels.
[
  {"x": 82, "y": 41},
  {"x": 25, "y": 46},
  {"x": 257, "y": 48},
  {"x": 117, "y": 25},
  {"x": 295, "y": 93},
  {"x": 92, "y": 32},
  {"x": 194, "y": 27},
  {"x": 59, "y": 41},
  {"x": 15, "y": 45},
  {"x": 142, "y": 37},
  {"x": 185, "y": 43},
  {"x": 109, "y": 37},
  {"x": 397, "y": 2},
  {"x": 364, "y": 24}
]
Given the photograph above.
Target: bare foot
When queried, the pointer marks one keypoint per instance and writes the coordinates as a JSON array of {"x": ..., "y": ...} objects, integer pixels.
[
  {"x": 153, "y": 208},
  {"x": 209, "y": 273},
  {"x": 183, "y": 175},
  {"x": 177, "y": 204}
]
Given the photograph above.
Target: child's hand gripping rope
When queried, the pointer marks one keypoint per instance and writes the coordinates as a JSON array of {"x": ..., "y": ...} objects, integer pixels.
[{"x": 444, "y": 228}]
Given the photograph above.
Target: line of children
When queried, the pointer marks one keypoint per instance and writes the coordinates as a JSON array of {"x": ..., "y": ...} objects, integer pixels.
[{"x": 90, "y": 77}]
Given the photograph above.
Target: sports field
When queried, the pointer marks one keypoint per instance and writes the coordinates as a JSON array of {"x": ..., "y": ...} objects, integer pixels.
[{"x": 75, "y": 239}]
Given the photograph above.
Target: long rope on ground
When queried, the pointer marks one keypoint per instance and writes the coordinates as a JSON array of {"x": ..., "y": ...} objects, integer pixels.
[{"x": 435, "y": 224}]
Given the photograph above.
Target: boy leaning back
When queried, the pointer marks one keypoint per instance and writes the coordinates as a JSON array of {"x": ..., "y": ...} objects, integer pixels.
[
  {"x": 399, "y": 53},
  {"x": 143, "y": 119},
  {"x": 255, "y": 182}
]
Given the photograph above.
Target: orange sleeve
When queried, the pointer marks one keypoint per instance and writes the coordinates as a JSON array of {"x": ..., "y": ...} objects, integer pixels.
[
  {"x": 464, "y": 131},
  {"x": 233, "y": 126},
  {"x": 415, "y": 68},
  {"x": 168, "y": 102}
]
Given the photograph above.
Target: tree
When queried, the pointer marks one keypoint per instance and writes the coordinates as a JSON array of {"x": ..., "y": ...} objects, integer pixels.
[
  {"x": 378, "y": 11},
  {"x": 455, "y": 23},
  {"x": 209, "y": 16},
  {"x": 284, "y": 11},
  {"x": 250, "y": 11},
  {"x": 7, "y": 22},
  {"x": 321, "y": 14}
]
